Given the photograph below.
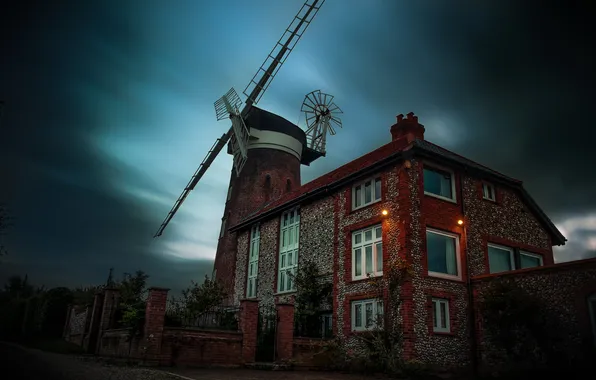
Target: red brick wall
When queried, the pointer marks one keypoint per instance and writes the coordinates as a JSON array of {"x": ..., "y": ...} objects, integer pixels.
[
  {"x": 190, "y": 347},
  {"x": 264, "y": 176}
]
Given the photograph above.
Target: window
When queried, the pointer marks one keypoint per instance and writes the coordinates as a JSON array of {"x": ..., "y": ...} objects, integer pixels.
[
  {"x": 529, "y": 260},
  {"x": 326, "y": 325},
  {"x": 367, "y": 252},
  {"x": 223, "y": 227},
  {"x": 366, "y": 193},
  {"x": 500, "y": 259},
  {"x": 488, "y": 191},
  {"x": 229, "y": 192},
  {"x": 441, "y": 315},
  {"x": 288, "y": 250},
  {"x": 253, "y": 262},
  {"x": 367, "y": 314},
  {"x": 439, "y": 183},
  {"x": 592, "y": 311},
  {"x": 442, "y": 251}
]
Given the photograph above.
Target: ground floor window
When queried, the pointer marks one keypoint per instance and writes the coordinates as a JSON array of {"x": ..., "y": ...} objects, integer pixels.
[
  {"x": 366, "y": 314},
  {"x": 441, "y": 315}
]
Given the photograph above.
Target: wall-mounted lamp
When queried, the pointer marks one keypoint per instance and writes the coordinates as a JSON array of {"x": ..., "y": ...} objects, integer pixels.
[
  {"x": 460, "y": 222},
  {"x": 384, "y": 212}
]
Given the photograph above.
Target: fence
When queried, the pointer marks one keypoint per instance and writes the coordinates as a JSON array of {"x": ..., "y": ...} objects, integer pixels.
[{"x": 219, "y": 317}]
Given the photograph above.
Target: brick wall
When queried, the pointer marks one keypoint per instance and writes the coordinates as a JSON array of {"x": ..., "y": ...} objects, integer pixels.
[
  {"x": 563, "y": 289},
  {"x": 265, "y": 176},
  {"x": 190, "y": 347}
]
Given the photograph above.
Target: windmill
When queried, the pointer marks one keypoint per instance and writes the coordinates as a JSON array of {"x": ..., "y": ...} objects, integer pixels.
[{"x": 228, "y": 106}]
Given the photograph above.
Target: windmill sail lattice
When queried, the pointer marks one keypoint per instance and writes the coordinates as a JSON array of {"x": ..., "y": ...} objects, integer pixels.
[{"x": 321, "y": 115}]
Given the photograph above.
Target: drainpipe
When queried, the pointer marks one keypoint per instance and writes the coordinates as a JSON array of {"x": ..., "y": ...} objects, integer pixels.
[{"x": 471, "y": 313}]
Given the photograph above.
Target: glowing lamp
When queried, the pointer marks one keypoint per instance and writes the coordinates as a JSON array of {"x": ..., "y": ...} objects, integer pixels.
[
  {"x": 460, "y": 222},
  {"x": 384, "y": 212}
]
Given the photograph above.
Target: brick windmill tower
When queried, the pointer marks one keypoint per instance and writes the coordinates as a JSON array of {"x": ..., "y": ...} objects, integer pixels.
[{"x": 267, "y": 149}]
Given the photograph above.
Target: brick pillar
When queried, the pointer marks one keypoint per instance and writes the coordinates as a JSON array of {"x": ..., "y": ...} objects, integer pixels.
[
  {"x": 249, "y": 318},
  {"x": 110, "y": 302},
  {"x": 90, "y": 343},
  {"x": 285, "y": 331},
  {"x": 155, "y": 315}
]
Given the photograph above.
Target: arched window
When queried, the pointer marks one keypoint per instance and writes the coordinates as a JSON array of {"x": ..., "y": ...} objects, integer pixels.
[
  {"x": 592, "y": 311},
  {"x": 288, "y": 185},
  {"x": 267, "y": 181}
]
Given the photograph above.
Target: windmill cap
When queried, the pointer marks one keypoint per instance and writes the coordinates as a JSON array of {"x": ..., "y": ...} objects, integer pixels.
[{"x": 408, "y": 128}]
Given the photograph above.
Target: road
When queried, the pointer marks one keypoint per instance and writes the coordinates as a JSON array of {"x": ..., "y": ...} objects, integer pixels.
[{"x": 19, "y": 363}]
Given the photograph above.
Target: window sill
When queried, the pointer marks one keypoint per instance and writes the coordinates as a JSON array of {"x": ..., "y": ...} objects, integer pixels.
[
  {"x": 441, "y": 197},
  {"x": 442, "y": 333},
  {"x": 362, "y": 280},
  {"x": 284, "y": 293},
  {"x": 354, "y": 209},
  {"x": 440, "y": 276}
]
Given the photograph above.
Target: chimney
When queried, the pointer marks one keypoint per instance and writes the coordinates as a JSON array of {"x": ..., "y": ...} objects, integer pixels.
[{"x": 407, "y": 128}]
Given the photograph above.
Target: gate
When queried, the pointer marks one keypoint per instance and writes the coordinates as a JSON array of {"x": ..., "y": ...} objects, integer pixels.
[{"x": 266, "y": 334}]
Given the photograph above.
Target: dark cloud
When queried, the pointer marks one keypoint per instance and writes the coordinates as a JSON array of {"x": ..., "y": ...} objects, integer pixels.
[{"x": 92, "y": 88}]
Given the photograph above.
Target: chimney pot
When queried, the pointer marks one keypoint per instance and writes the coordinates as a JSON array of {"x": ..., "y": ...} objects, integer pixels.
[{"x": 407, "y": 128}]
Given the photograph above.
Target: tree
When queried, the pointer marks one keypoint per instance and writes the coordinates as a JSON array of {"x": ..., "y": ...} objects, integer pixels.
[
  {"x": 133, "y": 294},
  {"x": 312, "y": 291},
  {"x": 196, "y": 301}
]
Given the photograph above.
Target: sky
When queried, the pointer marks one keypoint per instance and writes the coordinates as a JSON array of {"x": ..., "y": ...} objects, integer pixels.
[{"x": 109, "y": 111}]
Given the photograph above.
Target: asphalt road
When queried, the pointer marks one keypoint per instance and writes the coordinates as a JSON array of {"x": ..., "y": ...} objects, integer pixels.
[{"x": 17, "y": 363}]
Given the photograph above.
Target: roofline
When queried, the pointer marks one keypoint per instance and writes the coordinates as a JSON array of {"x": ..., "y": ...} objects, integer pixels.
[
  {"x": 514, "y": 183},
  {"x": 321, "y": 190},
  {"x": 407, "y": 153}
]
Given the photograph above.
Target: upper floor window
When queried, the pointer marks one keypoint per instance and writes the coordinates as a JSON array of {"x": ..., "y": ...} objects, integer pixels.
[
  {"x": 288, "y": 250},
  {"x": 488, "y": 191},
  {"x": 367, "y": 314},
  {"x": 366, "y": 193},
  {"x": 439, "y": 183},
  {"x": 229, "y": 193},
  {"x": 222, "y": 231},
  {"x": 442, "y": 251},
  {"x": 253, "y": 262},
  {"x": 441, "y": 315},
  {"x": 367, "y": 252},
  {"x": 529, "y": 260},
  {"x": 500, "y": 258}
]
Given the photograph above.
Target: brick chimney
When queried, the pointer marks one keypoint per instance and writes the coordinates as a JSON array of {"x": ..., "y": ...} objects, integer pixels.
[{"x": 407, "y": 128}]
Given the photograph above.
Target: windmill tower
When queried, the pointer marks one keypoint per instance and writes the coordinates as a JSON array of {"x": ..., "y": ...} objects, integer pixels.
[{"x": 267, "y": 149}]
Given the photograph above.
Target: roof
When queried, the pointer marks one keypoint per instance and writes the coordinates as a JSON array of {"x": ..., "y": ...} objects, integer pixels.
[{"x": 388, "y": 153}]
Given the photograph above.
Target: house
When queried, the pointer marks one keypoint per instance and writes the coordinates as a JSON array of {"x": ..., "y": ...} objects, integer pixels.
[{"x": 452, "y": 220}]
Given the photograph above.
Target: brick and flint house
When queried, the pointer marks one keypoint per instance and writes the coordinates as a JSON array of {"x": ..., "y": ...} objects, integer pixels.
[{"x": 453, "y": 220}]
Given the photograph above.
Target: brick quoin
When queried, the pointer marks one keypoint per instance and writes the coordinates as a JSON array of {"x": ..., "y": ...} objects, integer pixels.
[
  {"x": 285, "y": 331},
  {"x": 248, "y": 326},
  {"x": 155, "y": 314}
]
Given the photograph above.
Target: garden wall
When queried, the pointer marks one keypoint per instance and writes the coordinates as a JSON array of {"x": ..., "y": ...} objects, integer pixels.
[
  {"x": 563, "y": 290},
  {"x": 194, "y": 347}
]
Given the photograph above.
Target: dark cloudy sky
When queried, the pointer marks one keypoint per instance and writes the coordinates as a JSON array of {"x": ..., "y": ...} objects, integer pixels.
[{"x": 109, "y": 110}]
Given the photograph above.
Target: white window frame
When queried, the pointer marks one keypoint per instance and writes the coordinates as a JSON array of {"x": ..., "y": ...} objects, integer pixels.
[
  {"x": 436, "y": 315},
  {"x": 530, "y": 254},
  {"x": 362, "y": 247},
  {"x": 289, "y": 243},
  {"x": 222, "y": 231},
  {"x": 457, "y": 256},
  {"x": 376, "y": 305},
  {"x": 504, "y": 248},
  {"x": 253, "y": 262},
  {"x": 592, "y": 314},
  {"x": 361, "y": 185},
  {"x": 434, "y": 168},
  {"x": 486, "y": 194}
]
